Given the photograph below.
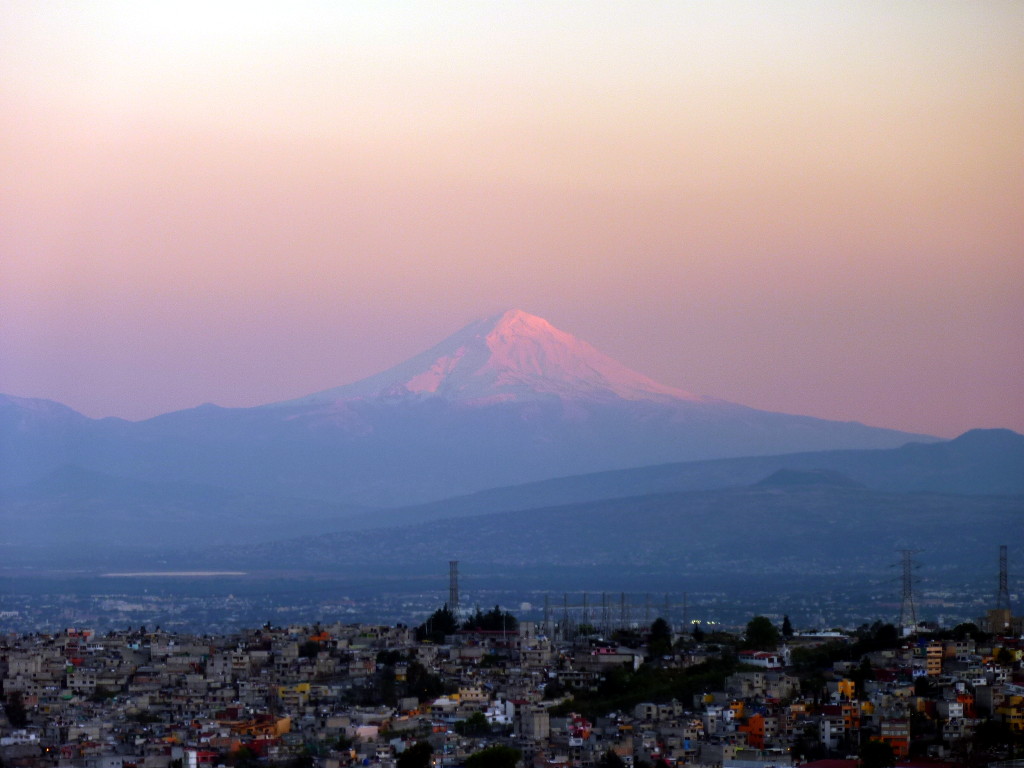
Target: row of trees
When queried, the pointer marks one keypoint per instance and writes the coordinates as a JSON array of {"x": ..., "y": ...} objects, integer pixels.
[
  {"x": 497, "y": 756},
  {"x": 444, "y": 622}
]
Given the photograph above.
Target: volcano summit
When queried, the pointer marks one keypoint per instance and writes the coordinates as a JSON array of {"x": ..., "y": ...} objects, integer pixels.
[
  {"x": 513, "y": 357},
  {"x": 508, "y": 399}
]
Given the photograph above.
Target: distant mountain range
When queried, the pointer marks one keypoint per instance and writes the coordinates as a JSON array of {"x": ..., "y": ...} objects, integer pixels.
[
  {"x": 979, "y": 462},
  {"x": 956, "y": 500},
  {"x": 810, "y": 518},
  {"x": 506, "y": 400},
  {"x": 769, "y": 533}
]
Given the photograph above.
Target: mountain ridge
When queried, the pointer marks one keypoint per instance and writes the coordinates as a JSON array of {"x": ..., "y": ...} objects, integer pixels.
[
  {"x": 776, "y": 532},
  {"x": 960, "y": 466},
  {"x": 506, "y": 400}
]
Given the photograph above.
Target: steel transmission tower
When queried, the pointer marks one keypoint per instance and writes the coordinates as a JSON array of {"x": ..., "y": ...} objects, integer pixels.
[
  {"x": 567, "y": 628},
  {"x": 453, "y": 587},
  {"x": 907, "y": 610},
  {"x": 1003, "y": 594}
]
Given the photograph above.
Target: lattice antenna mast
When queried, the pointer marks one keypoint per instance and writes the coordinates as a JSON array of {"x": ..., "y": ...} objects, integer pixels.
[
  {"x": 1003, "y": 594},
  {"x": 908, "y": 613},
  {"x": 567, "y": 628},
  {"x": 453, "y": 587}
]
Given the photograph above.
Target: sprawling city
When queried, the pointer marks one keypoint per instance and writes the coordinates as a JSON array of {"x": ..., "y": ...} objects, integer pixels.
[
  {"x": 511, "y": 384},
  {"x": 483, "y": 688}
]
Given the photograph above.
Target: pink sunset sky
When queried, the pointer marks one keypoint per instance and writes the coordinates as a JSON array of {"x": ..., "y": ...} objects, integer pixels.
[{"x": 810, "y": 207}]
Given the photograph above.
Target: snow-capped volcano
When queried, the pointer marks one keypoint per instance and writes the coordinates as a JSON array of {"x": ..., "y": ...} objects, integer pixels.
[
  {"x": 515, "y": 357},
  {"x": 506, "y": 400}
]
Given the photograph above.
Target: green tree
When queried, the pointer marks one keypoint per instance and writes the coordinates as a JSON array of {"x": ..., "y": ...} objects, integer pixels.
[
  {"x": 630, "y": 638},
  {"x": 495, "y": 620},
  {"x": 498, "y": 756},
  {"x": 416, "y": 756},
  {"x": 876, "y": 754},
  {"x": 787, "y": 627},
  {"x": 698, "y": 633},
  {"x": 474, "y": 725},
  {"x": 610, "y": 760},
  {"x": 343, "y": 744},
  {"x": 969, "y": 629},
  {"x": 862, "y": 674},
  {"x": 553, "y": 690},
  {"x": 15, "y": 710},
  {"x": 761, "y": 634},
  {"x": 924, "y": 686},
  {"x": 883, "y": 636},
  {"x": 616, "y": 681},
  {"x": 993, "y": 736},
  {"x": 101, "y": 694},
  {"x": 421, "y": 683},
  {"x": 660, "y": 641},
  {"x": 441, "y": 623},
  {"x": 390, "y": 658},
  {"x": 309, "y": 649},
  {"x": 243, "y": 757}
]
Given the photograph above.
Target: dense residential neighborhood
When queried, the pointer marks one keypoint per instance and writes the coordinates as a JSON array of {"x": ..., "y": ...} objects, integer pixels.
[{"x": 495, "y": 689}]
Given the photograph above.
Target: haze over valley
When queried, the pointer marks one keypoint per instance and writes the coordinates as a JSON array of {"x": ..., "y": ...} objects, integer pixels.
[
  {"x": 306, "y": 300},
  {"x": 467, "y": 452}
]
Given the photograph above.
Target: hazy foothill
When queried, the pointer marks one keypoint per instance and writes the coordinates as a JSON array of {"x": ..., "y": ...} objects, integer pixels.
[{"x": 522, "y": 452}]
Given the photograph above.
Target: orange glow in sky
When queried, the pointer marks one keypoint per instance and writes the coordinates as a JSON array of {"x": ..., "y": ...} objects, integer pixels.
[{"x": 805, "y": 207}]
